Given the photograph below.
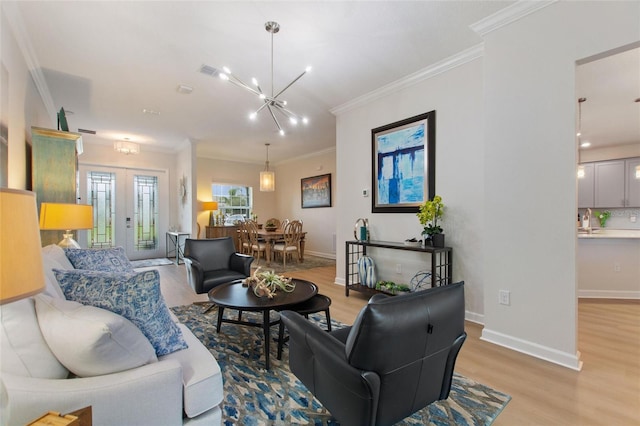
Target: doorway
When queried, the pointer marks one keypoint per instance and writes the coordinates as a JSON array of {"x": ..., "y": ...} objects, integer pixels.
[{"x": 130, "y": 208}]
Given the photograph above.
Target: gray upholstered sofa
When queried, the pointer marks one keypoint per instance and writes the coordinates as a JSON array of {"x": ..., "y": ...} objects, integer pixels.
[{"x": 182, "y": 387}]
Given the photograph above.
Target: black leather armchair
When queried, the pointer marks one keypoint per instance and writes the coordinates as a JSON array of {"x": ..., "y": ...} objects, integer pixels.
[
  {"x": 397, "y": 358},
  {"x": 214, "y": 261}
]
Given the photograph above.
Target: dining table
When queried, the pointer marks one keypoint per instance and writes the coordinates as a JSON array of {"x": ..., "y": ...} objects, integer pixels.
[{"x": 271, "y": 237}]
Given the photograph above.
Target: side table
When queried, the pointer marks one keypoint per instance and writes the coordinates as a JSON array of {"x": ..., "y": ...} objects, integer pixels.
[{"x": 175, "y": 245}]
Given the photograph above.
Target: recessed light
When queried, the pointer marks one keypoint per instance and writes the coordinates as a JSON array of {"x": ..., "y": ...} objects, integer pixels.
[
  {"x": 150, "y": 111},
  {"x": 585, "y": 144}
]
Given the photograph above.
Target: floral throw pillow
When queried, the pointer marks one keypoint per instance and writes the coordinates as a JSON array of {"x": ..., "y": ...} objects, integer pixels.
[
  {"x": 134, "y": 295},
  {"x": 106, "y": 260}
]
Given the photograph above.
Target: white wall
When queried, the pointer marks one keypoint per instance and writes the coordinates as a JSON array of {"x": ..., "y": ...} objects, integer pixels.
[
  {"x": 505, "y": 168},
  {"x": 457, "y": 98},
  {"x": 530, "y": 158},
  {"x": 284, "y": 202},
  {"x": 319, "y": 223},
  {"x": 211, "y": 170},
  {"x": 185, "y": 165},
  {"x": 26, "y": 108}
]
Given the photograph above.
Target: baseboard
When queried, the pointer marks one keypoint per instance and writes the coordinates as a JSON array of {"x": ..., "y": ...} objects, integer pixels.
[
  {"x": 321, "y": 254},
  {"x": 555, "y": 356},
  {"x": 474, "y": 317},
  {"x": 340, "y": 281},
  {"x": 608, "y": 294}
]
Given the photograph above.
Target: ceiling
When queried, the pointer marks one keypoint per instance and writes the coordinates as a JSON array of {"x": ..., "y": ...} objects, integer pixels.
[
  {"x": 611, "y": 85},
  {"x": 107, "y": 62}
]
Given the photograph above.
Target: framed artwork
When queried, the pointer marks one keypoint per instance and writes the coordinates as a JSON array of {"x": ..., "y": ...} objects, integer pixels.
[
  {"x": 403, "y": 164},
  {"x": 316, "y": 191}
]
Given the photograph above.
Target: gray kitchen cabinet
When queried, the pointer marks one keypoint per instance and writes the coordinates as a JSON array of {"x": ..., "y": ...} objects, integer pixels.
[
  {"x": 614, "y": 184},
  {"x": 609, "y": 184},
  {"x": 585, "y": 187},
  {"x": 632, "y": 187}
]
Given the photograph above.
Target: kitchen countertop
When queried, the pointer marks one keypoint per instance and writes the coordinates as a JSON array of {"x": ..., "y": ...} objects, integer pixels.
[{"x": 610, "y": 233}]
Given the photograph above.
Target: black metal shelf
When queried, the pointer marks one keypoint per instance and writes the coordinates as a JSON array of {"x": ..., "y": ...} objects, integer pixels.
[{"x": 441, "y": 262}]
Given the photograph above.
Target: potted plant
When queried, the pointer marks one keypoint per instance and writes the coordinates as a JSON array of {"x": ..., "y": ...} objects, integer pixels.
[
  {"x": 430, "y": 212},
  {"x": 270, "y": 226},
  {"x": 603, "y": 216}
]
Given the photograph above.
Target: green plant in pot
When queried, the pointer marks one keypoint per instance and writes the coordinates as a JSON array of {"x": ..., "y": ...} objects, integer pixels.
[
  {"x": 602, "y": 216},
  {"x": 429, "y": 213},
  {"x": 270, "y": 225}
]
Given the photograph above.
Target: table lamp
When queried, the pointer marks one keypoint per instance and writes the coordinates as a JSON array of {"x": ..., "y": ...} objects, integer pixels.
[
  {"x": 211, "y": 206},
  {"x": 21, "y": 273},
  {"x": 66, "y": 217}
]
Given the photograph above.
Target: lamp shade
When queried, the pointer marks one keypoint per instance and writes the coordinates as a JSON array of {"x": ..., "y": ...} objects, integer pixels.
[
  {"x": 64, "y": 217},
  {"x": 21, "y": 273},
  {"x": 209, "y": 205},
  {"x": 267, "y": 181}
]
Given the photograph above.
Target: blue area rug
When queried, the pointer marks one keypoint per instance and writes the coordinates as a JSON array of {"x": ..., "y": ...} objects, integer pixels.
[
  {"x": 255, "y": 396},
  {"x": 145, "y": 263}
]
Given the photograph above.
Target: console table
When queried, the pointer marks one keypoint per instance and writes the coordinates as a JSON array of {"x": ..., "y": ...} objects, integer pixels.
[
  {"x": 175, "y": 245},
  {"x": 224, "y": 231},
  {"x": 441, "y": 262}
]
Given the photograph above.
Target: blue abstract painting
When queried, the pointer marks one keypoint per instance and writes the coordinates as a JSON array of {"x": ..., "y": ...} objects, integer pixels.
[{"x": 400, "y": 166}]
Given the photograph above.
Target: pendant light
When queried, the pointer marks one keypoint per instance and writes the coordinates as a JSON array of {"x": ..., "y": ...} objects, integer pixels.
[
  {"x": 579, "y": 135},
  {"x": 267, "y": 177}
]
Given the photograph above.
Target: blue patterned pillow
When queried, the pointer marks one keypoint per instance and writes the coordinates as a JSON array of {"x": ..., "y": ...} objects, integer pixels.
[
  {"x": 135, "y": 296},
  {"x": 106, "y": 260}
]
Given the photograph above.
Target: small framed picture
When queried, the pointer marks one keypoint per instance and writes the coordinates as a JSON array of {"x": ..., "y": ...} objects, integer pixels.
[{"x": 316, "y": 191}]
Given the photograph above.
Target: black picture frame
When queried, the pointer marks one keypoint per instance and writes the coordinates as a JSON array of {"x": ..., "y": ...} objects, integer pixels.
[
  {"x": 403, "y": 164},
  {"x": 315, "y": 191}
]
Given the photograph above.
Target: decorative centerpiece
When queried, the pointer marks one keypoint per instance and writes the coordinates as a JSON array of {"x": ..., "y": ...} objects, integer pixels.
[
  {"x": 429, "y": 213},
  {"x": 270, "y": 226},
  {"x": 265, "y": 284},
  {"x": 602, "y": 216}
]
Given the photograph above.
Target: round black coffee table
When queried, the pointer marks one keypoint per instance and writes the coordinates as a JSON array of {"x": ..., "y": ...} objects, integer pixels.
[{"x": 234, "y": 295}]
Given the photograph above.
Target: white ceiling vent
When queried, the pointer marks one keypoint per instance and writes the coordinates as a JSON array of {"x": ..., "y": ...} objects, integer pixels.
[
  {"x": 209, "y": 70},
  {"x": 184, "y": 89}
]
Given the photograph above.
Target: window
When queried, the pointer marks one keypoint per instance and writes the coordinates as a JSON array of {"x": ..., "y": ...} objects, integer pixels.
[{"x": 234, "y": 201}]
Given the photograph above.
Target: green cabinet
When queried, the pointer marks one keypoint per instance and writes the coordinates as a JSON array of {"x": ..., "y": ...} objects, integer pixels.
[{"x": 54, "y": 176}]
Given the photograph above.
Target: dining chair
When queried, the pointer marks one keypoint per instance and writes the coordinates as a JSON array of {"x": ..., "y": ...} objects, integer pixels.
[
  {"x": 256, "y": 246},
  {"x": 292, "y": 236},
  {"x": 243, "y": 237}
]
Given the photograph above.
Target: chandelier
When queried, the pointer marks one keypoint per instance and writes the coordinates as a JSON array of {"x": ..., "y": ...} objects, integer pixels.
[{"x": 271, "y": 103}]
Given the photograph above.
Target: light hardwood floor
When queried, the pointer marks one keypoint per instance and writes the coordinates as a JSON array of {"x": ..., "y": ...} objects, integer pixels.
[{"x": 605, "y": 392}]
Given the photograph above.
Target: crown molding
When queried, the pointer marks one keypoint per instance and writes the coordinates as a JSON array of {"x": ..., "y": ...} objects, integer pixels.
[
  {"x": 14, "y": 17},
  {"x": 508, "y": 15},
  {"x": 431, "y": 71}
]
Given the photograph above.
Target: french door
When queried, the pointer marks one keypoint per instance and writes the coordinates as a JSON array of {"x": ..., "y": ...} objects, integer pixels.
[{"x": 130, "y": 209}]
